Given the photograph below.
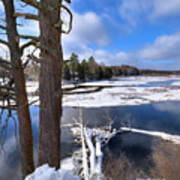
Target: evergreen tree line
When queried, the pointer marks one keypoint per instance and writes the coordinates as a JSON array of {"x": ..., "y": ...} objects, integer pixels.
[{"x": 91, "y": 70}]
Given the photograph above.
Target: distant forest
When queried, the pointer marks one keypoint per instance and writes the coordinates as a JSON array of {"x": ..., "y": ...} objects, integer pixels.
[
  {"x": 88, "y": 70},
  {"x": 74, "y": 69}
]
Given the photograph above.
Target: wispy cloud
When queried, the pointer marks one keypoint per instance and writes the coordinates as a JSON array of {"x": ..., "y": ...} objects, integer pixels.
[
  {"x": 164, "y": 8},
  {"x": 132, "y": 11},
  {"x": 135, "y": 11}
]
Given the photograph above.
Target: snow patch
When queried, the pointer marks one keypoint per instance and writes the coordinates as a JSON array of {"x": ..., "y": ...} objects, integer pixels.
[
  {"x": 67, "y": 164},
  {"x": 45, "y": 172}
]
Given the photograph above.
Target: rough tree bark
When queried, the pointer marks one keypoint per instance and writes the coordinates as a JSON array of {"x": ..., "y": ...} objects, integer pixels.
[
  {"x": 25, "y": 129},
  {"x": 50, "y": 83}
]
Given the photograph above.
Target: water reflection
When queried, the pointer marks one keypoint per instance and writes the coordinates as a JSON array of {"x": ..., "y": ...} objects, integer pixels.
[{"x": 136, "y": 147}]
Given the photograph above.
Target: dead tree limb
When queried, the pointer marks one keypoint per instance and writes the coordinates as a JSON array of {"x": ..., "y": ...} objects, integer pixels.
[
  {"x": 4, "y": 42},
  {"x": 70, "y": 21},
  {"x": 91, "y": 142},
  {"x": 5, "y": 64},
  {"x": 33, "y": 3},
  {"x": 35, "y": 38},
  {"x": 3, "y": 27},
  {"x": 27, "y": 16}
]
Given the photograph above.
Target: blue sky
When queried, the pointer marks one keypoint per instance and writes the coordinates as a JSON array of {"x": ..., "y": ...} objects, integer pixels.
[{"x": 143, "y": 33}]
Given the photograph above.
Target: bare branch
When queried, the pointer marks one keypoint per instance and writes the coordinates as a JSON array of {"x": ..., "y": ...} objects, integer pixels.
[
  {"x": 35, "y": 38},
  {"x": 33, "y": 3},
  {"x": 26, "y": 63},
  {"x": 4, "y": 42},
  {"x": 71, "y": 19},
  {"x": 11, "y": 82},
  {"x": 34, "y": 58},
  {"x": 30, "y": 43},
  {"x": 27, "y": 16},
  {"x": 68, "y": 1},
  {"x": 3, "y": 27},
  {"x": 5, "y": 64},
  {"x": 7, "y": 95},
  {"x": 7, "y": 88},
  {"x": 9, "y": 107}
]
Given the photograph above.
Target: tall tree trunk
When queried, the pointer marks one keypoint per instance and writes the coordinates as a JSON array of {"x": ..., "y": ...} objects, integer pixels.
[
  {"x": 50, "y": 84},
  {"x": 25, "y": 129}
]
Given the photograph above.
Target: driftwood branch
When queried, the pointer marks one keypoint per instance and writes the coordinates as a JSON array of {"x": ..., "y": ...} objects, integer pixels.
[{"x": 91, "y": 140}]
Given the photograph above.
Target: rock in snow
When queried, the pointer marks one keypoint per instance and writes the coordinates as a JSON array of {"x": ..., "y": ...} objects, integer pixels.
[{"x": 45, "y": 172}]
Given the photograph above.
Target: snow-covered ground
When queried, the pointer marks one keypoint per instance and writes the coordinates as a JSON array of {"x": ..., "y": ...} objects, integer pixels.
[
  {"x": 48, "y": 173},
  {"x": 121, "y": 91},
  {"x": 127, "y": 91}
]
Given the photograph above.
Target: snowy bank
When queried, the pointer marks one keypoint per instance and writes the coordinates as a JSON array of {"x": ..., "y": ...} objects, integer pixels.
[
  {"x": 168, "y": 137},
  {"x": 128, "y": 91},
  {"x": 45, "y": 172},
  {"x": 119, "y": 92}
]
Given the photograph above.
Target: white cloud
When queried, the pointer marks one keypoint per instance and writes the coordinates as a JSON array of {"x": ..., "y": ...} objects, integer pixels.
[
  {"x": 113, "y": 58},
  {"x": 1, "y": 6},
  {"x": 165, "y": 47},
  {"x": 87, "y": 29}
]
